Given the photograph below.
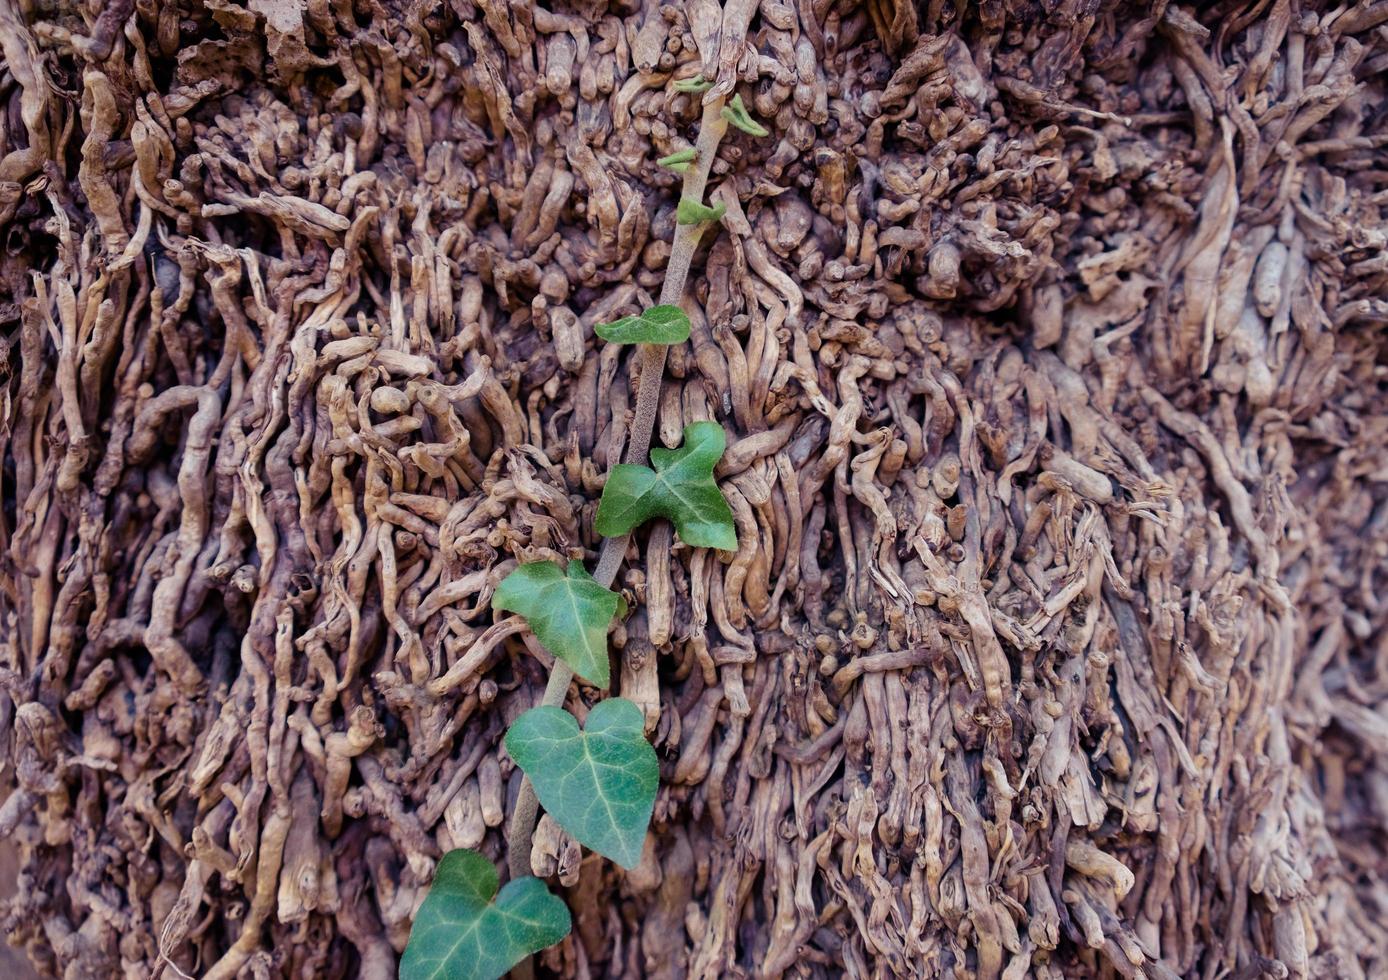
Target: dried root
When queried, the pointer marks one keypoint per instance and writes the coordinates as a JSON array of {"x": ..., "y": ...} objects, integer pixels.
[{"x": 1049, "y": 341}]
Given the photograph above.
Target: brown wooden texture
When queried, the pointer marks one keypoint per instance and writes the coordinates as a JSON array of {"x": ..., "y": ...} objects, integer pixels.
[{"x": 1049, "y": 337}]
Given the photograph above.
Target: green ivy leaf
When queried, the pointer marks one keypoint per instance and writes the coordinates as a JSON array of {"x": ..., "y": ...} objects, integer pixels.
[
  {"x": 695, "y": 84},
  {"x": 570, "y": 613},
  {"x": 664, "y": 324},
  {"x": 681, "y": 489},
  {"x": 737, "y": 115},
  {"x": 678, "y": 161},
  {"x": 691, "y": 212},
  {"x": 600, "y": 783},
  {"x": 460, "y": 933}
]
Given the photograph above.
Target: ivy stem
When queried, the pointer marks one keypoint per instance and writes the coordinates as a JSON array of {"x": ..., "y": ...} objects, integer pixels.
[{"x": 652, "y": 372}]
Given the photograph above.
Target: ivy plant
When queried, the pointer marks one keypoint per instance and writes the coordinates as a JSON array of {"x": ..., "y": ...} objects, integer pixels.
[
  {"x": 691, "y": 212},
  {"x": 680, "y": 489},
  {"x": 678, "y": 161},
  {"x": 568, "y": 611},
  {"x": 658, "y": 325},
  {"x": 466, "y": 928},
  {"x": 736, "y": 113},
  {"x": 598, "y": 782},
  {"x": 695, "y": 84}
]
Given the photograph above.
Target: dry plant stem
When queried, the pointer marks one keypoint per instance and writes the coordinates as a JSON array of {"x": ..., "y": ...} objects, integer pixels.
[{"x": 711, "y": 129}]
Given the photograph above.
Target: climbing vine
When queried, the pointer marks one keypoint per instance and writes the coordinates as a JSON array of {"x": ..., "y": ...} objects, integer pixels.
[{"x": 598, "y": 781}]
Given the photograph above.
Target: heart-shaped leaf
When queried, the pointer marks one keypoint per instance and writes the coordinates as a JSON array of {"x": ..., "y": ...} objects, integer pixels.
[
  {"x": 681, "y": 489},
  {"x": 460, "y": 933},
  {"x": 691, "y": 212},
  {"x": 664, "y": 324},
  {"x": 570, "y": 613},
  {"x": 736, "y": 113},
  {"x": 599, "y": 783}
]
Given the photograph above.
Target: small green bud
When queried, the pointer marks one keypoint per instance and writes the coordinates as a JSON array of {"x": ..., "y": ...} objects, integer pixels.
[
  {"x": 737, "y": 115},
  {"x": 679, "y": 161},
  {"x": 691, "y": 212},
  {"x": 695, "y": 84}
]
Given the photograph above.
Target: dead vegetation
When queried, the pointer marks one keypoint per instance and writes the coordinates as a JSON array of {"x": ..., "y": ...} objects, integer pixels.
[{"x": 1050, "y": 341}]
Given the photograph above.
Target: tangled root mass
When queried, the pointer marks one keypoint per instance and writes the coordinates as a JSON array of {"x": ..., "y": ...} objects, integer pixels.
[{"x": 1049, "y": 338}]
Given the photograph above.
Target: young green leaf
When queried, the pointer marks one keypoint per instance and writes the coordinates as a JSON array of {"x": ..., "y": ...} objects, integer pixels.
[
  {"x": 599, "y": 783},
  {"x": 662, "y": 324},
  {"x": 737, "y": 115},
  {"x": 690, "y": 212},
  {"x": 695, "y": 84},
  {"x": 570, "y": 613},
  {"x": 678, "y": 161},
  {"x": 681, "y": 488},
  {"x": 460, "y": 933}
]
